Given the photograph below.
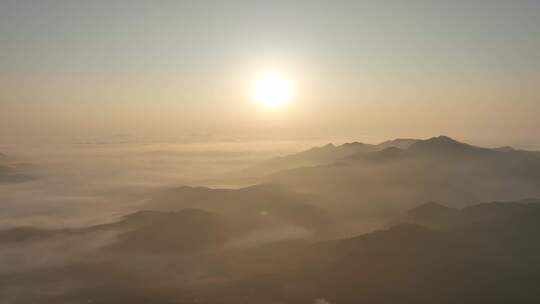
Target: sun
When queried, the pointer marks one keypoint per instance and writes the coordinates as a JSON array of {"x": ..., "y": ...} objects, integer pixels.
[{"x": 271, "y": 89}]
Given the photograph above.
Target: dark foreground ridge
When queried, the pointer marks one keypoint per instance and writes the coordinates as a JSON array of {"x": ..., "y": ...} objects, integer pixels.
[{"x": 165, "y": 256}]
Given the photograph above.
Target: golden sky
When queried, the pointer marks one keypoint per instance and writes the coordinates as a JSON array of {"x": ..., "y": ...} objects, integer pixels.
[{"x": 385, "y": 68}]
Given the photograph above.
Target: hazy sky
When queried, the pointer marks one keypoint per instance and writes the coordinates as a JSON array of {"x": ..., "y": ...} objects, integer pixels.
[{"x": 469, "y": 69}]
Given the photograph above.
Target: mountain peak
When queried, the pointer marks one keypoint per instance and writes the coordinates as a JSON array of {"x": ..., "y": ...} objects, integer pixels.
[
  {"x": 444, "y": 145},
  {"x": 443, "y": 139}
]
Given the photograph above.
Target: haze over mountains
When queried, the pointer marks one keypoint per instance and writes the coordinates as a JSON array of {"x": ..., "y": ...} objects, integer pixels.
[
  {"x": 269, "y": 152},
  {"x": 422, "y": 221},
  {"x": 438, "y": 169},
  {"x": 465, "y": 260},
  {"x": 321, "y": 156},
  {"x": 376, "y": 182}
]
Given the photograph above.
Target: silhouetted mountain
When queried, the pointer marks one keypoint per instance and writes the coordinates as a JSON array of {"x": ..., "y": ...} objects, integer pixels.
[
  {"x": 321, "y": 156},
  {"x": 313, "y": 157},
  {"x": 184, "y": 231},
  {"x": 446, "y": 148},
  {"x": 283, "y": 241},
  {"x": 431, "y": 215},
  {"x": 264, "y": 204},
  {"x": 414, "y": 264},
  {"x": 495, "y": 216},
  {"x": 167, "y": 257},
  {"x": 385, "y": 183}
]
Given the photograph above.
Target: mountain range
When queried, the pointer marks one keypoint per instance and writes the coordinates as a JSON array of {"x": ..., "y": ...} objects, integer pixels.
[
  {"x": 484, "y": 253},
  {"x": 406, "y": 221},
  {"x": 360, "y": 187},
  {"x": 317, "y": 156},
  {"x": 438, "y": 169}
]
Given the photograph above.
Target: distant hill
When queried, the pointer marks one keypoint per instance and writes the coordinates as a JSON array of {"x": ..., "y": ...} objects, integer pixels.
[
  {"x": 296, "y": 238},
  {"x": 437, "y": 169},
  {"x": 431, "y": 215},
  {"x": 363, "y": 186},
  {"x": 495, "y": 215},
  {"x": 485, "y": 253},
  {"x": 184, "y": 231},
  {"x": 143, "y": 227},
  {"x": 320, "y": 156},
  {"x": 446, "y": 148},
  {"x": 486, "y": 261},
  {"x": 263, "y": 204}
]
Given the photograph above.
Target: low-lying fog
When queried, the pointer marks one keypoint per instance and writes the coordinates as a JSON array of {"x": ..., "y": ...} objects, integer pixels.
[{"x": 81, "y": 181}]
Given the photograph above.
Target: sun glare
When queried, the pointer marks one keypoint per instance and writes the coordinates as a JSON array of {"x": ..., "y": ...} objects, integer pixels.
[{"x": 272, "y": 89}]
